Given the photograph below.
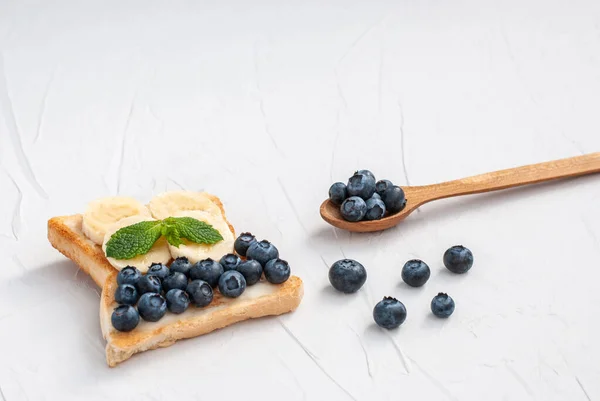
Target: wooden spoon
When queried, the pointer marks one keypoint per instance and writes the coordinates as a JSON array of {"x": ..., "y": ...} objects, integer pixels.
[{"x": 503, "y": 179}]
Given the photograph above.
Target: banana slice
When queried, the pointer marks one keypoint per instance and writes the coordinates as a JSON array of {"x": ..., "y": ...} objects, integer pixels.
[
  {"x": 159, "y": 253},
  {"x": 196, "y": 252},
  {"x": 169, "y": 203},
  {"x": 102, "y": 213}
]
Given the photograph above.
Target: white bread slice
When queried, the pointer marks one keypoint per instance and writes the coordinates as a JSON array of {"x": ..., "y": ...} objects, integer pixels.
[{"x": 261, "y": 299}]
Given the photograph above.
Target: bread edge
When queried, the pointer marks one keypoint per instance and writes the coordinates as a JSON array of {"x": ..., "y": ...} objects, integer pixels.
[{"x": 81, "y": 250}]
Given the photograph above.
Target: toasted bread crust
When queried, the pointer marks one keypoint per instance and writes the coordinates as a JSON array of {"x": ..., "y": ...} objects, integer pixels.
[{"x": 65, "y": 234}]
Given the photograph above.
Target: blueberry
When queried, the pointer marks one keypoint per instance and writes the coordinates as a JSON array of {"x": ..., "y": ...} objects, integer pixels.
[
  {"x": 200, "y": 292},
  {"x": 262, "y": 252},
  {"x": 376, "y": 196},
  {"x": 125, "y": 318},
  {"x": 181, "y": 265},
  {"x": 361, "y": 185},
  {"x": 382, "y": 185},
  {"x": 389, "y": 313},
  {"x": 242, "y": 243},
  {"x": 159, "y": 270},
  {"x": 458, "y": 259},
  {"x": 442, "y": 305},
  {"x": 126, "y": 294},
  {"x": 152, "y": 307},
  {"x": 175, "y": 280},
  {"x": 251, "y": 270},
  {"x": 415, "y": 273},
  {"x": 148, "y": 284},
  {"x": 207, "y": 270},
  {"x": 177, "y": 300},
  {"x": 230, "y": 261},
  {"x": 394, "y": 199},
  {"x": 232, "y": 284},
  {"x": 366, "y": 172},
  {"x": 129, "y": 275},
  {"x": 375, "y": 209},
  {"x": 353, "y": 209},
  {"x": 347, "y": 275},
  {"x": 277, "y": 271},
  {"x": 338, "y": 193}
]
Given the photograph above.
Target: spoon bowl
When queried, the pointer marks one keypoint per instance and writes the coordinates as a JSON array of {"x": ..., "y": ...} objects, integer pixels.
[
  {"x": 417, "y": 196},
  {"x": 330, "y": 212}
]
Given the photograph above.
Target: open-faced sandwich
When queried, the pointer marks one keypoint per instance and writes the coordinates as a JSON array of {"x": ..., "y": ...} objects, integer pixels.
[{"x": 172, "y": 269}]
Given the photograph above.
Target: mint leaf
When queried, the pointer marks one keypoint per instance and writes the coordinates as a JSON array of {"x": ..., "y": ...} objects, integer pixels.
[
  {"x": 194, "y": 230},
  {"x": 171, "y": 234},
  {"x": 136, "y": 239}
]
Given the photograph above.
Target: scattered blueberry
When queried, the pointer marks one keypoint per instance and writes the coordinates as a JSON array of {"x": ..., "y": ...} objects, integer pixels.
[
  {"x": 177, "y": 300},
  {"x": 125, "y": 318},
  {"x": 232, "y": 284},
  {"x": 200, "y": 292},
  {"x": 129, "y": 275},
  {"x": 251, "y": 270},
  {"x": 262, "y": 252},
  {"x": 159, "y": 270},
  {"x": 389, "y": 313},
  {"x": 382, "y": 185},
  {"x": 181, "y": 265},
  {"x": 152, "y": 307},
  {"x": 347, "y": 275},
  {"x": 394, "y": 199},
  {"x": 458, "y": 259},
  {"x": 277, "y": 271},
  {"x": 148, "y": 284},
  {"x": 242, "y": 243},
  {"x": 415, "y": 273},
  {"x": 375, "y": 208},
  {"x": 207, "y": 270},
  {"x": 126, "y": 294},
  {"x": 230, "y": 261},
  {"x": 366, "y": 172},
  {"x": 442, "y": 305},
  {"x": 175, "y": 280},
  {"x": 353, "y": 209},
  {"x": 338, "y": 193},
  {"x": 361, "y": 185}
]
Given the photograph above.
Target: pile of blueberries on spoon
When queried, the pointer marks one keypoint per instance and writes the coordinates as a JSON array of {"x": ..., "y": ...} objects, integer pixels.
[
  {"x": 182, "y": 284},
  {"x": 348, "y": 276},
  {"x": 364, "y": 198}
]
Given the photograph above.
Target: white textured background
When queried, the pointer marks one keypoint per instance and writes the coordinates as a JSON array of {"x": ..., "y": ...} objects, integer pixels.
[{"x": 265, "y": 103}]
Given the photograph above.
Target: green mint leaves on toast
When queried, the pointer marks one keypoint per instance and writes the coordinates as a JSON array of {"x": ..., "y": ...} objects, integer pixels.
[
  {"x": 137, "y": 239},
  {"x": 133, "y": 240},
  {"x": 193, "y": 230}
]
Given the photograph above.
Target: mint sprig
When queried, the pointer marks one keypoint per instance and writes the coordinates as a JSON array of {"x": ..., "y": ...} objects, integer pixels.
[
  {"x": 193, "y": 230},
  {"x": 133, "y": 240},
  {"x": 137, "y": 239}
]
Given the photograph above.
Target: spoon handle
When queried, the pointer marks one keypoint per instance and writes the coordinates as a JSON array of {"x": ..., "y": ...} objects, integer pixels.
[{"x": 514, "y": 177}]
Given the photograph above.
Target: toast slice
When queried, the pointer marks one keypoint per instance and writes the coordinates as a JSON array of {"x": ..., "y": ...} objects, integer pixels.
[{"x": 262, "y": 299}]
